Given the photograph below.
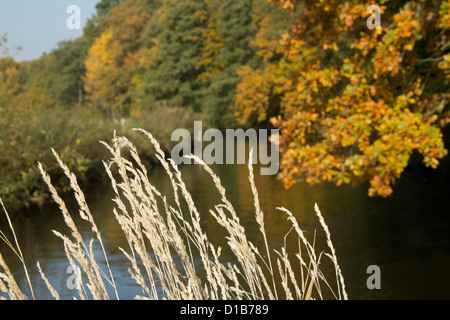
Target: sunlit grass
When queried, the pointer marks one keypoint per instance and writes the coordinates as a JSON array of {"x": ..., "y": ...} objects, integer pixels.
[{"x": 170, "y": 254}]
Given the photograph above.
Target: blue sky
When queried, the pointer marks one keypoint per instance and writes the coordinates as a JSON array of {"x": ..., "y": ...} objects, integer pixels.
[{"x": 38, "y": 25}]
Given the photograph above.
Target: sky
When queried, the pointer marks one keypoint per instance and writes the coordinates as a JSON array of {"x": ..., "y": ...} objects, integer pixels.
[{"x": 38, "y": 25}]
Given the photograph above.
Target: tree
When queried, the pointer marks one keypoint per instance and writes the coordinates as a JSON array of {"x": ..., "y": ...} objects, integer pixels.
[
  {"x": 66, "y": 69},
  {"x": 4, "y": 50},
  {"x": 104, "y": 7},
  {"x": 114, "y": 58},
  {"x": 172, "y": 76},
  {"x": 354, "y": 103},
  {"x": 100, "y": 65},
  {"x": 236, "y": 31},
  {"x": 10, "y": 77}
]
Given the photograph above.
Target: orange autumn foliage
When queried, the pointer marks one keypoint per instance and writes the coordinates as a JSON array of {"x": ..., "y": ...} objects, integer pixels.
[{"x": 353, "y": 104}]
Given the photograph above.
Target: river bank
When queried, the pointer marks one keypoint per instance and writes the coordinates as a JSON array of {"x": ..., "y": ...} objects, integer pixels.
[
  {"x": 27, "y": 138},
  {"x": 406, "y": 234}
]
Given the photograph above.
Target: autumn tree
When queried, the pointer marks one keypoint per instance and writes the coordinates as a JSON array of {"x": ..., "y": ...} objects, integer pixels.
[
  {"x": 10, "y": 74},
  {"x": 113, "y": 59},
  {"x": 354, "y": 104},
  {"x": 236, "y": 34}
]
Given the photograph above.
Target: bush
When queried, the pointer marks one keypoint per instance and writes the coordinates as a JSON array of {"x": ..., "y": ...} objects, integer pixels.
[{"x": 26, "y": 138}]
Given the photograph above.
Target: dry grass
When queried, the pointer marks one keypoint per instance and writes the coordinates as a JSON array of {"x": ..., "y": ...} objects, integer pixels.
[{"x": 166, "y": 241}]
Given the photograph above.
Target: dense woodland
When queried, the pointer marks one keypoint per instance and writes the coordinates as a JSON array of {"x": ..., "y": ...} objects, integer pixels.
[{"x": 353, "y": 105}]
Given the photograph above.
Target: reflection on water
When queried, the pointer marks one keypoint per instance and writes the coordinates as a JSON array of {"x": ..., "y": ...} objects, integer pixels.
[{"x": 406, "y": 235}]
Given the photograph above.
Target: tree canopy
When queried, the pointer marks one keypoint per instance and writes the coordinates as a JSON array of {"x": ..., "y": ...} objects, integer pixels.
[{"x": 353, "y": 104}]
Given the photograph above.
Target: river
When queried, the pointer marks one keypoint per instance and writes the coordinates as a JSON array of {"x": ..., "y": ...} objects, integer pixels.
[{"x": 407, "y": 234}]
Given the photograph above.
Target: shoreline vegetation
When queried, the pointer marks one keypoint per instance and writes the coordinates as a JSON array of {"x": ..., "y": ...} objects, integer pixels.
[
  {"x": 165, "y": 235},
  {"x": 76, "y": 139},
  {"x": 75, "y": 133},
  {"x": 353, "y": 105}
]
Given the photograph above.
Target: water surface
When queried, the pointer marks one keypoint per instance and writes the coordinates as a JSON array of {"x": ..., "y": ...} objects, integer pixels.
[{"x": 407, "y": 235}]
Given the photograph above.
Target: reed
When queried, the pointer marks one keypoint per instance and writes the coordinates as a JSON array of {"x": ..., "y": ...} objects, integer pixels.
[{"x": 166, "y": 240}]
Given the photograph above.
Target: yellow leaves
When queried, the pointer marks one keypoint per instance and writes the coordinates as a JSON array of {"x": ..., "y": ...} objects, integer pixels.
[
  {"x": 431, "y": 162},
  {"x": 10, "y": 72},
  {"x": 444, "y": 14},
  {"x": 312, "y": 117},
  {"x": 404, "y": 23},
  {"x": 287, "y": 4},
  {"x": 354, "y": 80},
  {"x": 399, "y": 37},
  {"x": 98, "y": 54},
  {"x": 252, "y": 96},
  {"x": 379, "y": 186},
  {"x": 409, "y": 47},
  {"x": 359, "y": 114},
  {"x": 116, "y": 56},
  {"x": 212, "y": 41},
  {"x": 445, "y": 65},
  {"x": 324, "y": 157},
  {"x": 378, "y": 32},
  {"x": 333, "y": 46},
  {"x": 99, "y": 63},
  {"x": 150, "y": 56}
]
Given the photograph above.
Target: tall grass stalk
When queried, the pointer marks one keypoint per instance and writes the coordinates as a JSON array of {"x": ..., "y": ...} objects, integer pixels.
[
  {"x": 170, "y": 254},
  {"x": 7, "y": 276}
]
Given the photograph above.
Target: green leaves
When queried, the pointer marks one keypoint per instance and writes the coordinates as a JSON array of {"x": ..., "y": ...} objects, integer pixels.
[{"x": 173, "y": 78}]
